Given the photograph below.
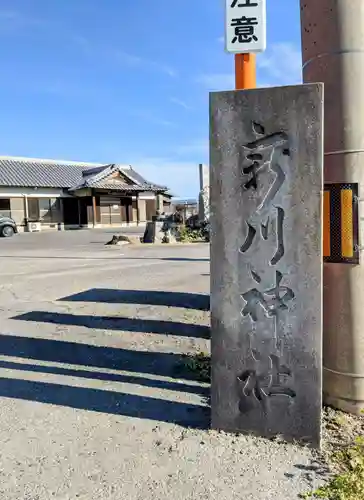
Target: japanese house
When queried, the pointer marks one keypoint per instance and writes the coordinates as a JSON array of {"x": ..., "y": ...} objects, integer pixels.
[{"x": 48, "y": 194}]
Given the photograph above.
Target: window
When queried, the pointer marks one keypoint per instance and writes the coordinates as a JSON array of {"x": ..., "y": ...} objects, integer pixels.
[
  {"x": 55, "y": 210},
  {"x": 33, "y": 209},
  {"x": 45, "y": 213},
  {"x": 43, "y": 204},
  {"x": 44, "y": 209},
  {"x": 5, "y": 207}
]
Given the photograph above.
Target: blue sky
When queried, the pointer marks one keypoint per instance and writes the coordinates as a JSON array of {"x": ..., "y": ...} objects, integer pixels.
[{"x": 126, "y": 81}]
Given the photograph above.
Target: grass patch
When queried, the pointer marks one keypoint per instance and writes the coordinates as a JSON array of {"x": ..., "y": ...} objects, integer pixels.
[
  {"x": 349, "y": 483},
  {"x": 187, "y": 235},
  {"x": 345, "y": 453},
  {"x": 200, "y": 365}
]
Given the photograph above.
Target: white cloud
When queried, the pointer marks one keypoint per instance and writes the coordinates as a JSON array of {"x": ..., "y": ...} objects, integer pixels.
[
  {"x": 152, "y": 118},
  {"x": 81, "y": 41},
  {"x": 182, "y": 178},
  {"x": 180, "y": 103},
  {"x": 179, "y": 171},
  {"x": 280, "y": 65},
  {"x": 70, "y": 89},
  {"x": 9, "y": 15},
  {"x": 125, "y": 58},
  {"x": 118, "y": 56},
  {"x": 198, "y": 147},
  {"x": 162, "y": 68},
  {"x": 217, "y": 81},
  {"x": 12, "y": 21}
]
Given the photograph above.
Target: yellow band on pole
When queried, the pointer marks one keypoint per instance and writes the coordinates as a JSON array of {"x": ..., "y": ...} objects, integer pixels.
[
  {"x": 347, "y": 236},
  {"x": 326, "y": 225}
]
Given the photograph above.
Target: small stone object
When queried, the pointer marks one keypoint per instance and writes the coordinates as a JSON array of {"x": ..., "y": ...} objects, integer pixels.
[
  {"x": 169, "y": 236},
  {"x": 154, "y": 232},
  {"x": 149, "y": 233},
  {"x": 204, "y": 194},
  {"x": 160, "y": 231},
  {"x": 119, "y": 240}
]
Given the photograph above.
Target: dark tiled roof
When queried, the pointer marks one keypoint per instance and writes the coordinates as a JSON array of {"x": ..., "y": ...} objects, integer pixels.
[
  {"x": 136, "y": 177},
  {"x": 28, "y": 172},
  {"x": 35, "y": 173},
  {"x": 120, "y": 186}
]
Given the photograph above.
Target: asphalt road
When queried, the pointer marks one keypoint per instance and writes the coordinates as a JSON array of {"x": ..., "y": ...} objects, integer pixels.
[{"x": 94, "y": 404}]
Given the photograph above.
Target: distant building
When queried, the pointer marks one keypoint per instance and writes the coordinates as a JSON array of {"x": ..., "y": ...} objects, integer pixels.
[
  {"x": 51, "y": 194},
  {"x": 187, "y": 207}
]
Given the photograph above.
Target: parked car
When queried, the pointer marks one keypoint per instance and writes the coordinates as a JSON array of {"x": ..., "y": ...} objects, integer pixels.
[{"x": 7, "y": 226}]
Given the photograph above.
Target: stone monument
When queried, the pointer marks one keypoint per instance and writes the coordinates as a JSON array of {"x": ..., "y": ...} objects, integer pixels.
[
  {"x": 161, "y": 230},
  {"x": 266, "y": 154},
  {"x": 204, "y": 194},
  {"x": 153, "y": 232}
]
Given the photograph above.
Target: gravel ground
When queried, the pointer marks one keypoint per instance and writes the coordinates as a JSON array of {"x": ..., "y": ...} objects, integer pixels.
[{"x": 94, "y": 405}]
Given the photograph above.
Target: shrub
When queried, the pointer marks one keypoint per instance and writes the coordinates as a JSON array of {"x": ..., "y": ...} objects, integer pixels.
[{"x": 348, "y": 483}]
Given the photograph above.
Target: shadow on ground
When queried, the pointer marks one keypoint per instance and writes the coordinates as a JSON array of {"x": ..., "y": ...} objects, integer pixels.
[
  {"x": 176, "y": 259},
  {"x": 118, "y": 403},
  {"x": 118, "y": 323},
  {"x": 73, "y": 353},
  {"x": 90, "y": 357},
  {"x": 115, "y": 403},
  {"x": 314, "y": 474},
  {"x": 108, "y": 377},
  {"x": 107, "y": 257},
  {"x": 144, "y": 297},
  {"x": 61, "y": 257}
]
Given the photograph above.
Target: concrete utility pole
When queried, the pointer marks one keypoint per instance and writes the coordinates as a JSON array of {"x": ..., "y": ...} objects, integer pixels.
[{"x": 333, "y": 53}]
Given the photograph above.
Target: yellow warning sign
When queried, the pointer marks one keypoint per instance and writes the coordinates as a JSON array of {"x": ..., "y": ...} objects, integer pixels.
[{"x": 340, "y": 224}]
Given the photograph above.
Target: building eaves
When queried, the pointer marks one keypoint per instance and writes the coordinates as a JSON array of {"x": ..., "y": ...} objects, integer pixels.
[
  {"x": 33, "y": 172},
  {"x": 39, "y": 174},
  {"x": 109, "y": 186}
]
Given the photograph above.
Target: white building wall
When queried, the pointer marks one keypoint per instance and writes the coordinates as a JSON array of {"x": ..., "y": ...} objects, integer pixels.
[{"x": 15, "y": 192}]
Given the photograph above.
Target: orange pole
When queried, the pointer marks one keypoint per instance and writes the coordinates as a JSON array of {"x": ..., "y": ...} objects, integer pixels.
[{"x": 245, "y": 71}]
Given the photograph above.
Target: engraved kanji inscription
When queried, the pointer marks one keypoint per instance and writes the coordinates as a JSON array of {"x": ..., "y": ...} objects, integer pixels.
[
  {"x": 280, "y": 244},
  {"x": 265, "y": 154},
  {"x": 265, "y": 168},
  {"x": 249, "y": 238},
  {"x": 267, "y": 379},
  {"x": 252, "y": 232},
  {"x": 270, "y": 301},
  {"x": 256, "y": 160}
]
